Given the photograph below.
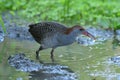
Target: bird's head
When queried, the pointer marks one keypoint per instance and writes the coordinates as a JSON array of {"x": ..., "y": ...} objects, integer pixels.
[{"x": 81, "y": 29}]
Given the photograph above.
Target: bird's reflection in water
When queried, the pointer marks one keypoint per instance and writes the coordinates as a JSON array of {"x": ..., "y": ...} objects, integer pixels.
[
  {"x": 51, "y": 71},
  {"x": 41, "y": 71}
]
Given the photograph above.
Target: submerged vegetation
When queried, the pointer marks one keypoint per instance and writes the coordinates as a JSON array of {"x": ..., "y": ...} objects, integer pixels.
[{"x": 103, "y": 13}]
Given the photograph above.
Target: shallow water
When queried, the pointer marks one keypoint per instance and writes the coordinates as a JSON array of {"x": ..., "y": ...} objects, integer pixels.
[{"x": 87, "y": 62}]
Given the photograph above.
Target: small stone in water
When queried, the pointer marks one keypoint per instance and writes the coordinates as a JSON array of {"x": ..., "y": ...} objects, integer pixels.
[{"x": 19, "y": 78}]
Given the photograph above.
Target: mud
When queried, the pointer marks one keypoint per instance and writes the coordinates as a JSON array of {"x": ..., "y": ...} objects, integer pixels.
[
  {"x": 1, "y": 34},
  {"x": 43, "y": 71},
  {"x": 115, "y": 60}
]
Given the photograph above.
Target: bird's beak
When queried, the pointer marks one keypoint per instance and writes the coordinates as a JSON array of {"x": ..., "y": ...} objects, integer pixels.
[{"x": 88, "y": 34}]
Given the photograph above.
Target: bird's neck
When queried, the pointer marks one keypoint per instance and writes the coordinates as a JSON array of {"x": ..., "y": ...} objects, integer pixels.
[
  {"x": 72, "y": 36},
  {"x": 68, "y": 39}
]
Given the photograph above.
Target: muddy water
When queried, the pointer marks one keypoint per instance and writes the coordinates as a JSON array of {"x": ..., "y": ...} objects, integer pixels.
[{"x": 87, "y": 62}]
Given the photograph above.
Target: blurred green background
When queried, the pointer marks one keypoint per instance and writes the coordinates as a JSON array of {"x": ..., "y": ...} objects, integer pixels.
[{"x": 102, "y": 13}]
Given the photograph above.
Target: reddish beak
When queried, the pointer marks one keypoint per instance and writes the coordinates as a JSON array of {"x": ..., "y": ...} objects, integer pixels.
[{"x": 88, "y": 34}]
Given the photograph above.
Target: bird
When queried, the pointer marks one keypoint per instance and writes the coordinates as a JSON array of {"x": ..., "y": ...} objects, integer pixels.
[{"x": 54, "y": 34}]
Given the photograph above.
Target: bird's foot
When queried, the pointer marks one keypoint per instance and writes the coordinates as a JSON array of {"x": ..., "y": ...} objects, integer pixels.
[
  {"x": 37, "y": 55},
  {"x": 38, "y": 59},
  {"x": 52, "y": 59}
]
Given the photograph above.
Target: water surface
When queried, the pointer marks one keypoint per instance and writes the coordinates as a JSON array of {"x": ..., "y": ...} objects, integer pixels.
[{"x": 88, "y": 62}]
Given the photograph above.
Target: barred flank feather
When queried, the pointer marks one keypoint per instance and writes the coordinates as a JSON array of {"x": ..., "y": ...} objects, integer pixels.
[{"x": 44, "y": 29}]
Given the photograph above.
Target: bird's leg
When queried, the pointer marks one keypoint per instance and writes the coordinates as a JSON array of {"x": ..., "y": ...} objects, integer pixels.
[
  {"x": 52, "y": 56},
  {"x": 37, "y": 52}
]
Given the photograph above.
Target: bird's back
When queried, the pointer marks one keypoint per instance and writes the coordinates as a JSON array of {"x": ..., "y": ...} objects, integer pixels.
[{"x": 46, "y": 29}]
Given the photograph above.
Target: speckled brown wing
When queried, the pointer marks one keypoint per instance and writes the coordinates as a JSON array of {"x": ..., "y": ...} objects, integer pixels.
[{"x": 44, "y": 29}]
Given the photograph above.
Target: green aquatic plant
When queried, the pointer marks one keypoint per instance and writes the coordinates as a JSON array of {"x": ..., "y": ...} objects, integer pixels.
[
  {"x": 2, "y": 24},
  {"x": 102, "y": 13}
]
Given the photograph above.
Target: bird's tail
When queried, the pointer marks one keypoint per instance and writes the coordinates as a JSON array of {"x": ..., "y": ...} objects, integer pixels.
[{"x": 31, "y": 25}]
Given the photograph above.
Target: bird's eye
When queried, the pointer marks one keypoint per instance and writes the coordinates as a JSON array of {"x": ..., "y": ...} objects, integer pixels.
[{"x": 81, "y": 29}]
